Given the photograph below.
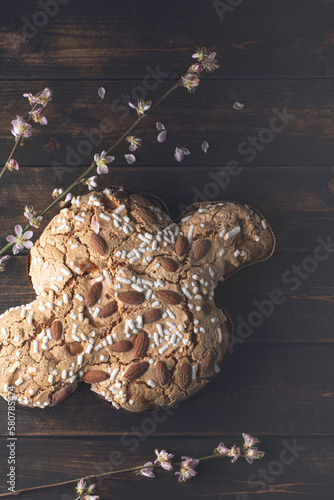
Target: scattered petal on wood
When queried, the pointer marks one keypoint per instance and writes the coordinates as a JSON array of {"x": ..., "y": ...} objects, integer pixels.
[
  {"x": 238, "y": 105},
  {"x": 160, "y": 126},
  {"x": 130, "y": 158},
  {"x": 185, "y": 151},
  {"x": 179, "y": 154},
  {"x": 162, "y": 136},
  {"x": 205, "y": 146},
  {"x": 101, "y": 92}
]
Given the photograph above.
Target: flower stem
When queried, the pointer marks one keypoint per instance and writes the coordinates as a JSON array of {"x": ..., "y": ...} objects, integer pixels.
[
  {"x": 17, "y": 143},
  {"x": 92, "y": 165},
  {"x": 104, "y": 474}
]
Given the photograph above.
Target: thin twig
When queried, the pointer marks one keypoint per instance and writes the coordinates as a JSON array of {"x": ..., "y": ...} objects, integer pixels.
[
  {"x": 92, "y": 165},
  {"x": 18, "y": 141},
  {"x": 104, "y": 474}
]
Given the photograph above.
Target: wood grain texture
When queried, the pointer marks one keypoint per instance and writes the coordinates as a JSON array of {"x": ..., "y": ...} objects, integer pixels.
[
  {"x": 267, "y": 39},
  {"x": 275, "y": 389},
  {"x": 295, "y": 201},
  {"x": 80, "y": 123},
  {"x": 307, "y": 475},
  {"x": 277, "y": 383}
]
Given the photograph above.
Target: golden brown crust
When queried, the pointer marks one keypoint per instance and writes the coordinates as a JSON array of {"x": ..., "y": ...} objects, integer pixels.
[{"x": 140, "y": 262}]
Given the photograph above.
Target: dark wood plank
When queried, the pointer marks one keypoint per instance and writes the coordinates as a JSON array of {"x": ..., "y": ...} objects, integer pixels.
[
  {"x": 285, "y": 476},
  {"x": 81, "y": 123},
  {"x": 295, "y": 201},
  {"x": 276, "y": 38},
  {"x": 275, "y": 389},
  {"x": 303, "y": 315}
]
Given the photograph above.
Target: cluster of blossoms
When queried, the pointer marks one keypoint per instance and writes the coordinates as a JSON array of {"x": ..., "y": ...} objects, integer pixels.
[
  {"x": 30, "y": 215},
  {"x": 206, "y": 61},
  {"x": 86, "y": 492},
  {"x": 249, "y": 451},
  {"x": 21, "y": 128},
  {"x": 188, "y": 464}
]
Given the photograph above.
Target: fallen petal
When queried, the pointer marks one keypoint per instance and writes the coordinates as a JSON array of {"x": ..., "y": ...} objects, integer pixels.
[
  {"x": 179, "y": 154},
  {"x": 130, "y": 158},
  {"x": 95, "y": 226},
  {"x": 238, "y": 105},
  {"x": 162, "y": 136},
  {"x": 101, "y": 92},
  {"x": 205, "y": 146},
  {"x": 186, "y": 151},
  {"x": 160, "y": 126}
]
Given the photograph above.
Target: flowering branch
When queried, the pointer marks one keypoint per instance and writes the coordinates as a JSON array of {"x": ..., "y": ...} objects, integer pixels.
[
  {"x": 206, "y": 61},
  {"x": 163, "y": 460},
  {"x": 21, "y": 128}
]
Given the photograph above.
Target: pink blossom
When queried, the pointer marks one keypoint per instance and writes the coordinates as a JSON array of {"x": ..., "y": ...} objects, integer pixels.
[
  {"x": 187, "y": 469},
  {"x": 221, "y": 449},
  {"x": 81, "y": 487},
  {"x": 130, "y": 158},
  {"x": 249, "y": 441},
  {"x": 68, "y": 198},
  {"x": 206, "y": 59},
  {"x": 134, "y": 141},
  {"x": 234, "y": 452},
  {"x": 20, "y": 240},
  {"x": 91, "y": 488},
  {"x": 210, "y": 63},
  {"x": 148, "y": 471},
  {"x": 12, "y": 165},
  {"x": 57, "y": 192},
  {"x": 164, "y": 458},
  {"x": 43, "y": 97},
  {"x": 30, "y": 215},
  {"x": 141, "y": 107},
  {"x": 37, "y": 116},
  {"x": 20, "y": 127},
  {"x": 91, "y": 183},
  {"x": 101, "y": 161},
  {"x": 190, "y": 81},
  {"x": 252, "y": 454}
]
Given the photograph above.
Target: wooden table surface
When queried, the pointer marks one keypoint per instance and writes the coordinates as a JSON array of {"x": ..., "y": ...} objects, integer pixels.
[{"x": 277, "y": 58}]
